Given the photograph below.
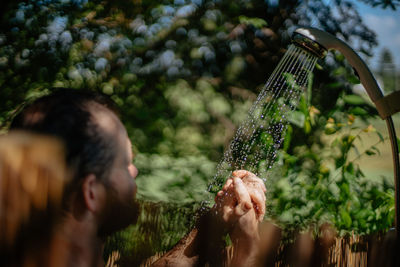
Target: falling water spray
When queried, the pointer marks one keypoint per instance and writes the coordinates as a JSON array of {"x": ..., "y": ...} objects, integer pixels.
[{"x": 259, "y": 137}]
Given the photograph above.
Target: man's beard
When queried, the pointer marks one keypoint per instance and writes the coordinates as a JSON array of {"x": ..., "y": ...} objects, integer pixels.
[{"x": 119, "y": 213}]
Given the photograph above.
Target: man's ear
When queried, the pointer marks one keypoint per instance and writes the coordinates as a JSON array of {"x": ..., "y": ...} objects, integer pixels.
[{"x": 93, "y": 193}]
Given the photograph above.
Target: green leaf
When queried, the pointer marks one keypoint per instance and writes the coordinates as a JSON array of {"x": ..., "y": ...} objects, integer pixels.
[
  {"x": 334, "y": 85},
  {"x": 339, "y": 71},
  {"x": 345, "y": 216},
  {"x": 334, "y": 190},
  {"x": 369, "y": 152},
  {"x": 288, "y": 138},
  {"x": 290, "y": 158},
  {"x": 353, "y": 99},
  {"x": 256, "y": 22},
  {"x": 297, "y": 118},
  {"x": 339, "y": 56},
  {"x": 339, "y": 162},
  {"x": 335, "y": 142},
  {"x": 307, "y": 127},
  {"x": 381, "y": 137},
  {"x": 349, "y": 168},
  {"x": 267, "y": 139},
  {"x": 359, "y": 173},
  {"x": 330, "y": 130},
  {"x": 358, "y": 111},
  {"x": 376, "y": 149},
  {"x": 302, "y": 106},
  {"x": 344, "y": 188},
  {"x": 353, "y": 79}
]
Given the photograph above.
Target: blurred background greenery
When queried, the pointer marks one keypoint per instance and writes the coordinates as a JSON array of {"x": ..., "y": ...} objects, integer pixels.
[{"x": 184, "y": 73}]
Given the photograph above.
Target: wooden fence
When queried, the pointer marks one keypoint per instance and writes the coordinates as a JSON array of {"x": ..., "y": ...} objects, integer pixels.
[{"x": 353, "y": 250}]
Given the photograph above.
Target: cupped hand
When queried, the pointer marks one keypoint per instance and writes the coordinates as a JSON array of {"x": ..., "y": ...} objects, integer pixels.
[
  {"x": 232, "y": 202},
  {"x": 256, "y": 188},
  {"x": 245, "y": 229},
  {"x": 242, "y": 193}
]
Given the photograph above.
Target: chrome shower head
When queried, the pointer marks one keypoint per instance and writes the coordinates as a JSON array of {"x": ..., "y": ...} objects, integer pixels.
[
  {"x": 318, "y": 42},
  {"x": 308, "y": 44}
]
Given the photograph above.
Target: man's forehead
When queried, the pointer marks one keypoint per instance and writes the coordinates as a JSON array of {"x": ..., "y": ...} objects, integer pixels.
[
  {"x": 106, "y": 119},
  {"x": 112, "y": 126}
]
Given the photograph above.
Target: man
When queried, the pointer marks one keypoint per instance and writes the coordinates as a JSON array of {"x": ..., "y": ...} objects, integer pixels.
[{"x": 100, "y": 198}]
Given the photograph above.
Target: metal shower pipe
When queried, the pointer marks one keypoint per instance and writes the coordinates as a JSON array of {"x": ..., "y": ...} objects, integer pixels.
[{"x": 318, "y": 43}]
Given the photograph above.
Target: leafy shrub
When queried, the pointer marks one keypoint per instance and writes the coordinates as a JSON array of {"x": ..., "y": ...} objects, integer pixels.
[{"x": 317, "y": 181}]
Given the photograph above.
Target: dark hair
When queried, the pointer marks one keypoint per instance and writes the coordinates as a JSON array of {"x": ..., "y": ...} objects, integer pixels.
[{"x": 66, "y": 114}]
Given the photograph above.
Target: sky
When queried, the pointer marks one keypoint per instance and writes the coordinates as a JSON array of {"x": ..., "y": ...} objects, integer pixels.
[{"x": 386, "y": 24}]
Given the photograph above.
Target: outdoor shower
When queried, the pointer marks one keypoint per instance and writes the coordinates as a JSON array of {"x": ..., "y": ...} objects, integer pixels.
[
  {"x": 261, "y": 135},
  {"x": 318, "y": 43}
]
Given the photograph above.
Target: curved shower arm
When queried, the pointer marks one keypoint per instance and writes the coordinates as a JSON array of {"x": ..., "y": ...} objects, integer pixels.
[{"x": 328, "y": 41}]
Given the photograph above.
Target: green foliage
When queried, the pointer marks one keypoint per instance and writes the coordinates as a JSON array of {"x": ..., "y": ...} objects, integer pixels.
[
  {"x": 173, "y": 180},
  {"x": 321, "y": 182}
]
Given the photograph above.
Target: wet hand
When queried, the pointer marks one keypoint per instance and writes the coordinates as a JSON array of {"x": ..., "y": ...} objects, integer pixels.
[
  {"x": 243, "y": 193},
  {"x": 245, "y": 229},
  {"x": 232, "y": 202},
  {"x": 256, "y": 189},
  {"x": 227, "y": 199}
]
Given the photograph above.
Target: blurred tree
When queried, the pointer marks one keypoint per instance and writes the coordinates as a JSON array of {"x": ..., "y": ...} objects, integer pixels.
[
  {"x": 387, "y": 71},
  {"x": 393, "y": 4},
  {"x": 139, "y": 52}
]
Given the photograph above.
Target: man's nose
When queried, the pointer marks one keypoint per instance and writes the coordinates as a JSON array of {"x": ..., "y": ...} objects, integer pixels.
[{"x": 133, "y": 171}]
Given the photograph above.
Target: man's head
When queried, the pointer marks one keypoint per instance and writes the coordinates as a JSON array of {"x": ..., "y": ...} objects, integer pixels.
[{"x": 98, "y": 153}]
